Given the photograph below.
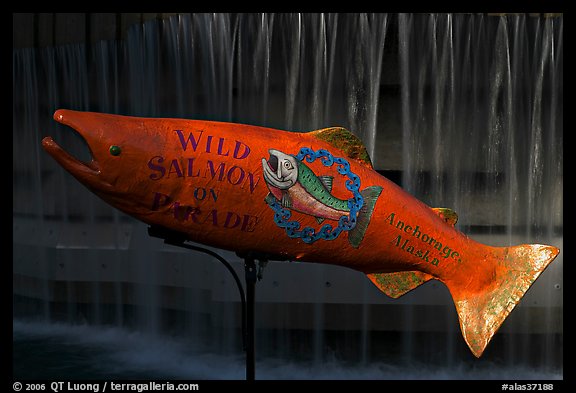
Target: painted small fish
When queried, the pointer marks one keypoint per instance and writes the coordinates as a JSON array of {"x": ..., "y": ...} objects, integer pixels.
[
  {"x": 208, "y": 181},
  {"x": 297, "y": 188}
]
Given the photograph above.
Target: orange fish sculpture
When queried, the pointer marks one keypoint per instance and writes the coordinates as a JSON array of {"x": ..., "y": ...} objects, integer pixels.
[{"x": 310, "y": 197}]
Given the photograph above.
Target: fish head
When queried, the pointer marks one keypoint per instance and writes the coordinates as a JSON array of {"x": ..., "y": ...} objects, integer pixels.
[
  {"x": 117, "y": 145},
  {"x": 280, "y": 170}
]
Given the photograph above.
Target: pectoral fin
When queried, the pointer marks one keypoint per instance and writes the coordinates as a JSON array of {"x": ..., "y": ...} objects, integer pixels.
[{"x": 286, "y": 201}]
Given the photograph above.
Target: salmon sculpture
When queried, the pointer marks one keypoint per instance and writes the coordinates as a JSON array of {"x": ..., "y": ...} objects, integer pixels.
[{"x": 309, "y": 197}]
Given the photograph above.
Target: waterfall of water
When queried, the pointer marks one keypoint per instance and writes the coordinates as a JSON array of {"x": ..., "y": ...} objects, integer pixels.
[
  {"x": 481, "y": 100},
  {"x": 478, "y": 129}
]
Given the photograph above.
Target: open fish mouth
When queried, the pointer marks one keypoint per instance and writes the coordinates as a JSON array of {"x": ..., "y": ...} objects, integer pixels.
[
  {"x": 271, "y": 174},
  {"x": 77, "y": 167},
  {"x": 273, "y": 162}
]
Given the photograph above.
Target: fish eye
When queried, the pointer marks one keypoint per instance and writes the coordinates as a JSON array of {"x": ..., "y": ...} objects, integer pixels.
[
  {"x": 115, "y": 150},
  {"x": 288, "y": 165}
]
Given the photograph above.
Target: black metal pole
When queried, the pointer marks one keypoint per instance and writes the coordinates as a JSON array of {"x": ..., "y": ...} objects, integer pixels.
[
  {"x": 178, "y": 239},
  {"x": 251, "y": 277}
]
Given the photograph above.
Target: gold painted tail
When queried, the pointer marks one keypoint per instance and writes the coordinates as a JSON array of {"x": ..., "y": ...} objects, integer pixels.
[{"x": 481, "y": 314}]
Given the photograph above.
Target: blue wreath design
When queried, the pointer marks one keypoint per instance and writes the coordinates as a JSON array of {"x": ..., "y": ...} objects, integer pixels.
[{"x": 327, "y": 232}]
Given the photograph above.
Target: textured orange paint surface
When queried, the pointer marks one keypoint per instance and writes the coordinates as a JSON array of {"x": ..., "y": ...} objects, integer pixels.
[{"x": 206, "y": 179}]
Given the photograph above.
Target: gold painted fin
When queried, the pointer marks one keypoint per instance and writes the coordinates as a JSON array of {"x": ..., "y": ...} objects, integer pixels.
[
  {"x": 482, "y": 312},
  {"x": 398, "y": 283},
  {"x": 344, "y": 140},
  {"x": 448, "y": 215}
]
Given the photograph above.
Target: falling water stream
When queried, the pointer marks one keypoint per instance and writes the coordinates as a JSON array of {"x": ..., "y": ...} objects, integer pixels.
[
  {"x": 467, "y": 108},
  {"x": 482, "y": 118}
]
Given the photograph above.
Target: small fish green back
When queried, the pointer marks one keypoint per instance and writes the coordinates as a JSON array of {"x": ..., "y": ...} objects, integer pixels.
[{"x": 315, "y": 187}]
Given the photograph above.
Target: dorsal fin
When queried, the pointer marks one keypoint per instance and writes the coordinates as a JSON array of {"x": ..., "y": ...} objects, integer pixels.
[
  {"x": 448, "y": 215},
  {"x": 346, "y": 141},
  {"x": 327, "y": 181}
]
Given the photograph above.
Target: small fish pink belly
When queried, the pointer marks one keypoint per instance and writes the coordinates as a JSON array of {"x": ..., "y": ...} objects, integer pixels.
[{"x": 303, "y": 202}]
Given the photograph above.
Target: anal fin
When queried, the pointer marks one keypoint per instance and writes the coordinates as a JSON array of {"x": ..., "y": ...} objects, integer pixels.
[
  {"x": 270, "y": 199},
  {"x": 398, "y": 283}
]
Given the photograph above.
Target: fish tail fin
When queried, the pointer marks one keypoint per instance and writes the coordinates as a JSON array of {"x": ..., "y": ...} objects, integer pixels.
[
  {"x": 481, "y": 312},
  {"x": 370, "y": 195}
]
